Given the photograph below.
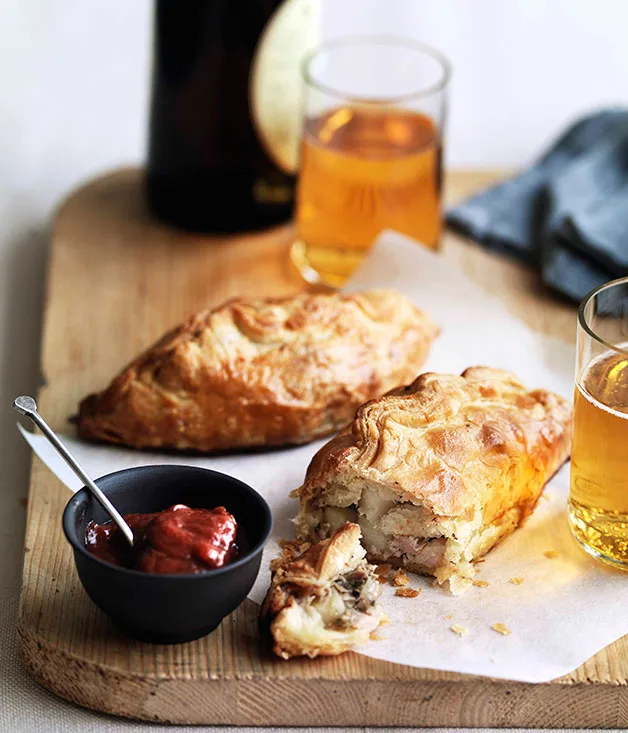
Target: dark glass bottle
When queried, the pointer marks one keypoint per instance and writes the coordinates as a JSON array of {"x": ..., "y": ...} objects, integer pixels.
[{"x": 207, "y": 168}]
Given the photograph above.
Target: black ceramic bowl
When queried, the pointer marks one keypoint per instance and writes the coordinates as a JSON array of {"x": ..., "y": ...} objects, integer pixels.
[{"x": 168, "y": 609}]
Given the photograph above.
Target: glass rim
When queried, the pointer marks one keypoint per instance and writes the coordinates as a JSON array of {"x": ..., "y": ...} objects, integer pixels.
[
  {"x": 381, "y": 40},
  {"x": 582, "y": 321}
]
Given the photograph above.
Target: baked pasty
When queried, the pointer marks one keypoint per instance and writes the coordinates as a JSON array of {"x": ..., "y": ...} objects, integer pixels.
[
  {"x": 262, "y": 372},
  {"x": 437, "y": 473},
  {"x": 323, "y": 602}
]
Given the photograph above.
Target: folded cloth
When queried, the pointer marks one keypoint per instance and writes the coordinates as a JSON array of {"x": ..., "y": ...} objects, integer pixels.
[{"x": 567, "y": 215}]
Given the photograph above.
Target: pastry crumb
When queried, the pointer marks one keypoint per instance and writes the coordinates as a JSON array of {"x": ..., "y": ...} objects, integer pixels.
[
  {"x": 501, "y": 629},
  {"x": 516, "y": 581},
  {"x": 480, "y": 583},
  {"x": 399, "y": 578},
  {"x": 546, "y": 496},
  {"x": 551, "y": 554},
  {"x": 381, "y": 579},
  {"x": 408, "y": 592},
  {"x": 384, "y": 622},
  {"x": 375, "y": 636},
  {"x": 383, "y": 569},
  {"x": 449, "y": 616},
  {"x": 460, "y": 630}
]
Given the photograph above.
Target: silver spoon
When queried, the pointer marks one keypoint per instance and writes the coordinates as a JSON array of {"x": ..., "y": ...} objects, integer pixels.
[{"x": 28, "y": 407}]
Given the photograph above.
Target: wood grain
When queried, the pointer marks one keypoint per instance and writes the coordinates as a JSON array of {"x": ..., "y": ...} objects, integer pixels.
[{"x": 117, "y": 280}]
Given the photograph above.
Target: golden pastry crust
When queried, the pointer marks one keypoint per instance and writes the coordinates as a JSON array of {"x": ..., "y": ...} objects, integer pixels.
[
  {"x": 438, "y": 472},
  {"x": 262, "y": 372},
  {"x": 323, "y": 602}
]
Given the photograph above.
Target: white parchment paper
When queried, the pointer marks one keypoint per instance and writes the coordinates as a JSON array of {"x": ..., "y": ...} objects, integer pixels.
[{"x": 567, "y": 608}]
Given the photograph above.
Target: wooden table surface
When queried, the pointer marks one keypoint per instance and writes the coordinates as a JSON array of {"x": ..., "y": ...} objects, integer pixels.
[{"x": 117, "y": 280}]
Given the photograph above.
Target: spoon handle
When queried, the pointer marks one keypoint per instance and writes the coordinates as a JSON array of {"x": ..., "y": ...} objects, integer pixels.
[{"x": 28, "y": 407}]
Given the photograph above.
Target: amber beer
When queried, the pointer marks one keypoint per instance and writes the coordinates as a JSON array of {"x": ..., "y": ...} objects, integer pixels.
[
  {"x": 362, "y": 171},
  {"x": 370, "y": 156},
  {"x": 599, "y": 467}
]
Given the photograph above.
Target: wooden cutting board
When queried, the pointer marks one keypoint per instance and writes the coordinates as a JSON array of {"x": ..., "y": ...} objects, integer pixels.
[{"x": 116, "y": 281}]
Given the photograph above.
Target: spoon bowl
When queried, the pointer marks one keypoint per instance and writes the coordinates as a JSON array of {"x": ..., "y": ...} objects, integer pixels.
[{"x": 163, "y": 608}]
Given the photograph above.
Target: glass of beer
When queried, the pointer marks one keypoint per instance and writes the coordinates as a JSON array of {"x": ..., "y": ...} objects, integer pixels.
[
  {"x": 598, "y": 501},
  {"x": 371, "y": 151}
]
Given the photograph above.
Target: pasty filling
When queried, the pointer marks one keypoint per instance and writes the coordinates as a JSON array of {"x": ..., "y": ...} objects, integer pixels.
[{"x": 350, "y": 601}]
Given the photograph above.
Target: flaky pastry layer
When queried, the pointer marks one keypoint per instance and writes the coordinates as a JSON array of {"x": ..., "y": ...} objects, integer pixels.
[{"x": 262, "y": 372}]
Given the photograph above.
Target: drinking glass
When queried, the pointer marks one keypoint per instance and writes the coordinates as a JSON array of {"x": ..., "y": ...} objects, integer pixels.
[
  {"x": 371, "y": 150},
  {"x": 598, "y": 502}
]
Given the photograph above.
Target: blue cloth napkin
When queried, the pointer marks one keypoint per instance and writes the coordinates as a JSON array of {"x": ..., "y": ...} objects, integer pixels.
[{"x": 567, "y": 215}]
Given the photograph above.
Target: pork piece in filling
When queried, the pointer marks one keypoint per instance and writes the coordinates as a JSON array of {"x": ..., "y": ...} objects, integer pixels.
[{"x": 324, "y": 601}]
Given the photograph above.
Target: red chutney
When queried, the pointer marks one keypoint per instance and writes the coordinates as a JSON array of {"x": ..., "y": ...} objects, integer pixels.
[{"x": 176, "y": 540}]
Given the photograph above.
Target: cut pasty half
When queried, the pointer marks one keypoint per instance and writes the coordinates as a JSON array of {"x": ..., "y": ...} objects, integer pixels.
[{"x": 438, "y": 472}]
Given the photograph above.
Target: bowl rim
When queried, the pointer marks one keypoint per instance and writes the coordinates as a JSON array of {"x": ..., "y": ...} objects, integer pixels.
[{"x": 72, "y": 505}]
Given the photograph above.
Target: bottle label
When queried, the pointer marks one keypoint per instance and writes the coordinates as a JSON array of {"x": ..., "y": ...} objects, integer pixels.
[{"x": 276, "y": 82}]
